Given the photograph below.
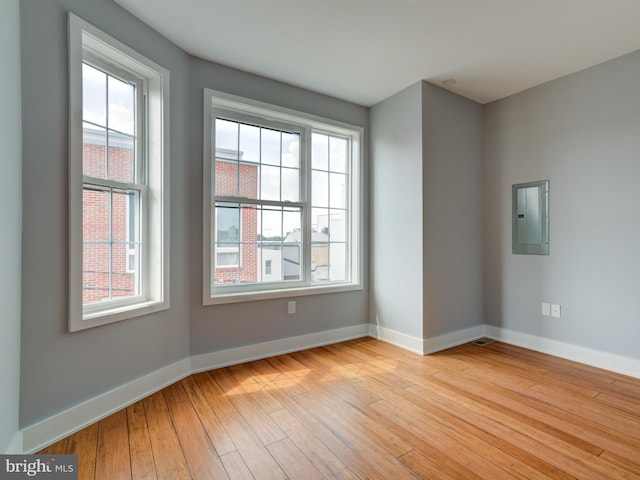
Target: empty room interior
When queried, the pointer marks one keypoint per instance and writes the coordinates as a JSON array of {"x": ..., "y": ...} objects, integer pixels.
[{"x": 340, "y": 239}]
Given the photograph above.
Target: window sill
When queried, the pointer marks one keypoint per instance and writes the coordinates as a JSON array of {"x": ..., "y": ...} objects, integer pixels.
[
  {"x": 238, "y": 297},
  {"x": 116, "y": 314}
]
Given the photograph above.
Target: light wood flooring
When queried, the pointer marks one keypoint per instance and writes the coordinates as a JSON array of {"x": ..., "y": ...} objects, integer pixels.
[{"x": 366, "y": 409}]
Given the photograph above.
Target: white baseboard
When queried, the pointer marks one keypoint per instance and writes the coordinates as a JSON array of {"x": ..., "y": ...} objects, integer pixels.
[
  {"x": 453, "y": 339},
  {"x": 596, "y": 358},
  {"x": 413, "y": 344},
  {"x": 16, "y": 446},
  {"x": 234, "y": 356},
  {"x": 52, "y": 429},
  {"x": 60, "y": 425}
]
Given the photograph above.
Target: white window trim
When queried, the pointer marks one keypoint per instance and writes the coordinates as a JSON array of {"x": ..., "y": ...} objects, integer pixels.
[
  {"x": 86, "y": 40},
  {"x": 221, "y": 100}
]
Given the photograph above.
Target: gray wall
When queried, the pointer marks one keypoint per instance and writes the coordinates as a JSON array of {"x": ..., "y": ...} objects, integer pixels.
[
  {"x": 397, "y": 213},
  {"x": 426, "y": 227},
  {"x": 60, "y": 369},
  {"x": 452, "y": 186},
  {"x": 219, "y": 327},
  {"x": 582, "y": 132},
  {"x": 10, "y": 219}
]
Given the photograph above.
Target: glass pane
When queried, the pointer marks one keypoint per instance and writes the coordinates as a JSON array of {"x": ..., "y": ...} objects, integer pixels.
[
  {"x": 319, "y": 262},
  {"x": 228, "y": 224},
  {"x": 337, "y": 261},
  {"x": 226, "y": 178},
  {"x": 124, "y": 207},
  {"x": 96, "y": 214},
  {"x": 123, "y": 282},
  {"x": 319, "y": 189},
  {"x": 290, "y": 184},
  {"x": 319, "y": 151},
  {"x": 337, "y": 226},
  {"x": 95, "y": 273},
  {"x": 270, "y": 147},
  {"x": 226, "y": 139},
  {"x": 338, "y": 190},
  {"x": 94, "y": 95},
  {"x": 94, "y": 160},
  {"x": 291, "y": 261},
  {"x": 320, "y": 223},
  {"x": 292, "y": 247},
  {"x": 249, "y": 143},
  {"x": 122, "y": 106},
  {"x": 121, "y": 157},
  {"x": 291, "y": 222},
  {"x": 271, "y": 224},
  {"x": 269, "y": 183},
  {"x": 338, "y": 152},
  {"x": 290, "y": 150},
  {"x": 249, "y": 180}
]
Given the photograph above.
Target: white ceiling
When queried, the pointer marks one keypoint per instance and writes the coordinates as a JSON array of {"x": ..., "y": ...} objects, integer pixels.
[{"x": 367, "y": 50}]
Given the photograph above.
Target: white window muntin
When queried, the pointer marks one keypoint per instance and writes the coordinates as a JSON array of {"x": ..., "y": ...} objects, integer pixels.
[
  {"x": 90, "y": 45},
  {"x": 264, "y": 122},
  {"x": 138, "y": 185},
  {"x": 215, "y": 102}
]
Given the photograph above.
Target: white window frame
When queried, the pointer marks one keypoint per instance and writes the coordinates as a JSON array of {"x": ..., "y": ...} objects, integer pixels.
[
  {"x": 216, "y": 102},
  {"x": 88, "y": 43}
]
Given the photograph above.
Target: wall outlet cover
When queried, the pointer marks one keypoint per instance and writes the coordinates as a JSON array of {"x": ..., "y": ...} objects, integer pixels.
[
  {"x": 555, "y": 311},
  {"x": 546, "y": 309}
]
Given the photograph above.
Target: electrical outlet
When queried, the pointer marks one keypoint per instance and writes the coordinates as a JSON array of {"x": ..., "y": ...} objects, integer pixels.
[
  {"x": 555, "y": 311},
  {"x": 291, "y": 307},
  {"x": 546, "y": 309}
]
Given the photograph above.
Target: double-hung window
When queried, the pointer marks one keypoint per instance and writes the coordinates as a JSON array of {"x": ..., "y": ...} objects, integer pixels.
[
  {"x": 282, "y": 203},
  {"x": 118, "y": 217}
]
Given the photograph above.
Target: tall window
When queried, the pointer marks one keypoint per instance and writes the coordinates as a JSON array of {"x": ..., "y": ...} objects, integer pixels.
[
  {"x": 117, "y": 171},
  {"x": 283, "y": 216}
]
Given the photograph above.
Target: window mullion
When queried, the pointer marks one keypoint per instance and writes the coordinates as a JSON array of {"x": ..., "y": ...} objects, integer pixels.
[{"x": 305, "y": 164}]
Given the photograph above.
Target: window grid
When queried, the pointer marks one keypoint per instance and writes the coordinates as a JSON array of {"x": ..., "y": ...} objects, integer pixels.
[{"x": 112, "y": 279}]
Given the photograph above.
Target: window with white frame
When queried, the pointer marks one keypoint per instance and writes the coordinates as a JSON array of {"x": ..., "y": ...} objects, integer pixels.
[
  {"x": 282, "y": 202},
  {"x": 118, "y": 220}
]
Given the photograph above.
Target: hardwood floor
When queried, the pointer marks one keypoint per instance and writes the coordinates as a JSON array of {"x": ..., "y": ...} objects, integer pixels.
[{"x": 366, "y": 409}]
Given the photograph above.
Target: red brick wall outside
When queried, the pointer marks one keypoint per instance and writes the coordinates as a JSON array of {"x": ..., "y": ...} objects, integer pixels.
[
  {"x": 228, "y": 183},
  {"x": 97, "y": 257}
]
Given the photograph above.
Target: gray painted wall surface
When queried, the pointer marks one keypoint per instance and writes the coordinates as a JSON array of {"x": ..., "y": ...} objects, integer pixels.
[
  {"x": 397, "y": 213},
  {"x": 220, "y": 327},
  {"x": 452, "y": 223},
  {"x": 426, "y": 227},
  {"x": 582, "y": 132},
  {"x": 10, "y": 219},
  {"x": 60, "y": 369}
]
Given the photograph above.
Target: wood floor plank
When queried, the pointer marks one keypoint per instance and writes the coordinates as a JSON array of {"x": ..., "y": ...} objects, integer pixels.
[
  {"x": 294, "y": 463},
  {"x": 367, "y": 409},
  {"x": 143, "y": 466},
  {"x": 167, "y": 452},
  {"x": 424, "y": 467},
  {"x": 209, "y": 419},
  {"x": 248, "y": 404},
  {"x": 84, "y": 444},
  {"x": 235, "y": 466},
  {"x": 318, "y": 453},
  {"x": 113, "y": 460},
  {"x": 200, "y": 455},
  {"x": 253, "y": 452}
]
